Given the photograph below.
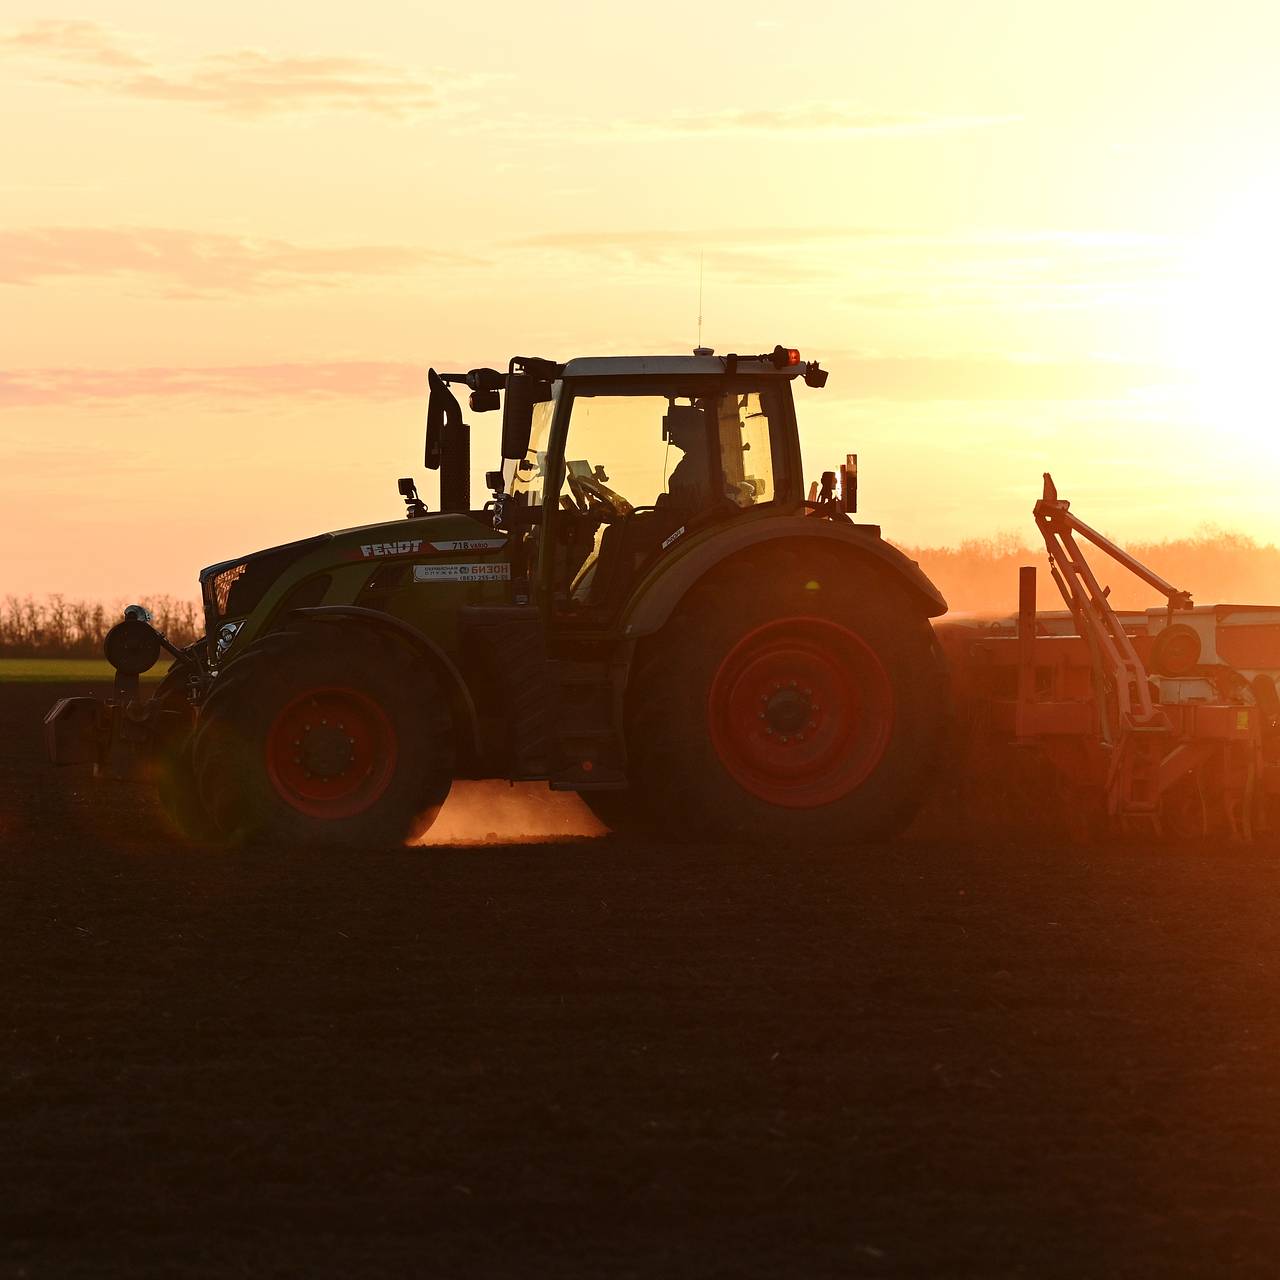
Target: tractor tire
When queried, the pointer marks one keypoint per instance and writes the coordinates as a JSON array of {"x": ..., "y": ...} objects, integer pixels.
[
  {"x": 335, "y": 734},
  {"x": 180, "y": 798},
  {"x": 796, "y": 696},
  {"x": 174, "y": 775}
]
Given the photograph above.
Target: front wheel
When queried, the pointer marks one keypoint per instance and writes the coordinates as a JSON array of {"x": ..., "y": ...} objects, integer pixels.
[
  {"x": 332, "y": 735},
  {"x": 796, "y": 696}
]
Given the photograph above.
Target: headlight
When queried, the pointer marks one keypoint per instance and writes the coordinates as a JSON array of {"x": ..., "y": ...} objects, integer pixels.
[
  {"x": 226, "y": 634},
  {"x": 222, "y": 585}
]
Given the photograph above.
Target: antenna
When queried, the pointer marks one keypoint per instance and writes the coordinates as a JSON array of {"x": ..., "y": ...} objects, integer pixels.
[{"x": 702, "y": 253}]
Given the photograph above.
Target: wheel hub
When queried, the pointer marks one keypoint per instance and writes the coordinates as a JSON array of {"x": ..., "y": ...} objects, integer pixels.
[
  {"x": 788, "y": 710},
  {"x": 327, "y": 751}
]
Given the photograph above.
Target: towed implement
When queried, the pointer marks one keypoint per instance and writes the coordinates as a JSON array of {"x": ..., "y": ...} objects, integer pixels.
[
  {"x": 650, "y": 608},
  {"x": 1164, "y": 721}
]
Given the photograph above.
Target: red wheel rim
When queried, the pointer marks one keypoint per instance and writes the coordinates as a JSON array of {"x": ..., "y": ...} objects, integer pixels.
[
  {"x": 331, "y": 752},
  {"x": 800, "y": 712}
]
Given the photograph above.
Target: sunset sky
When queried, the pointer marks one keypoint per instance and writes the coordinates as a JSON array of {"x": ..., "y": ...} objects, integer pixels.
[{"x": 1023, "y": 235}]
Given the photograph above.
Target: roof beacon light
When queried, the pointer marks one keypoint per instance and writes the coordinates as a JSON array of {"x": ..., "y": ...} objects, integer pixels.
[{"x": 785, "y": 357}]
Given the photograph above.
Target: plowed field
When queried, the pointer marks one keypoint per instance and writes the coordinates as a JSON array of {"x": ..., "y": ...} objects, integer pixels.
[{"x": 600, "y": 1059}]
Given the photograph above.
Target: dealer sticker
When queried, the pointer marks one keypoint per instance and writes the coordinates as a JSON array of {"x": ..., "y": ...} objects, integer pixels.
[
  {"x": 475, "y": 571},
  {"x": 416, "y": 546}
]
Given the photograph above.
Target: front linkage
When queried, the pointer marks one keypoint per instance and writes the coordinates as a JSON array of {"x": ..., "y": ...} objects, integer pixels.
[{"x": 124, "y": 736}]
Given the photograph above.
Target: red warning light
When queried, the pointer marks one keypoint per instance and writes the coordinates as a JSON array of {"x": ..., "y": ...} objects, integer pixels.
[{"x": 784, "y": 357}]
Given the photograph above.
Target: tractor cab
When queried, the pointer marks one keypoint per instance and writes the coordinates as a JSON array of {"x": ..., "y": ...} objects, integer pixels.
[{"x": 609, "y": 464}]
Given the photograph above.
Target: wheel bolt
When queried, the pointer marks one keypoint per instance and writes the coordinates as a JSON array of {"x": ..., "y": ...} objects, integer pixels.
[
  {"x": 813, "y": 724},
  {"x": 769, "y": 732},
  {"x": 762, "y": 715},
  {"x": 799, "y": 737},
  {"x": 785, "y": 738}
]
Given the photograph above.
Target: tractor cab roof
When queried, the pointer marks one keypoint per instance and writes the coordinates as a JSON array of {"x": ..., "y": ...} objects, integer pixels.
[
  {"x": 635, "y": 366},
  {"x": 781, "y": 362}
]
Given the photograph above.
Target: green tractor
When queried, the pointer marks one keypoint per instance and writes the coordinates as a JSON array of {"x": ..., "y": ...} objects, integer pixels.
[{"x": 649, "y": 610}]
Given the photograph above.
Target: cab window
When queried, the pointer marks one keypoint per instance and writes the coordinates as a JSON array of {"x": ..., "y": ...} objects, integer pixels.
[
  {"x": 746, "y": 448},
  {"x": 642, "y": 469},
  {"x": 693, "y": 453}
]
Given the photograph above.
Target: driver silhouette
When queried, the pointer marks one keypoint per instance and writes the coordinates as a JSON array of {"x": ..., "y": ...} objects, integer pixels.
[{"x": 689, "y": 485}]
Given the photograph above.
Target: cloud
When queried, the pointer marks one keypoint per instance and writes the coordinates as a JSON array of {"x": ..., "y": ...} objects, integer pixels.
[
  {"x": 746, "y": 254},
  {"x": 861, "y": 377},
  {"x": 799, "y": 120},
  {"x": 661, "y": 239},
  {"x": 219, "y": 386},
  {"x": 70, "y": 40},
  {"x": 894, "y": 269},
  {"x": 821, "y": 118},
  {"x": 192, "y": 263},
  {"x": 989, "y": 378},
  {"x": 245, "y": 82},
  {"x": 996, "y": 240}
]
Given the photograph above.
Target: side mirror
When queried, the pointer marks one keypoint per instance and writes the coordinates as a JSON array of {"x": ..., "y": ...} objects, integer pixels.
[
  {"x": 524, "y": 390},
  {"x": 442, "y": 410}
]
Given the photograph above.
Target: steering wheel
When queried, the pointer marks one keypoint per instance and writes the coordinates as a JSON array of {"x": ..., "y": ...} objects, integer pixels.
[{"x": 587, "y": 486}]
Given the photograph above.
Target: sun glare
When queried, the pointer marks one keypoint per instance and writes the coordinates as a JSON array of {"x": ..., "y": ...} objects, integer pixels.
[{"x": 1225, "y": 327}]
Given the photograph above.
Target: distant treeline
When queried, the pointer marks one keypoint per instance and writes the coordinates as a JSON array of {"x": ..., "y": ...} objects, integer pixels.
[
  {"x": 978, "y": 576},
  {"x": 55, "y": 627},
  {"x": 981, "y": 575}
]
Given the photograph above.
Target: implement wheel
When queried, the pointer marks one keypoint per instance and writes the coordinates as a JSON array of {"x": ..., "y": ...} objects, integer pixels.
[
  {"x": 795, "y": 696},
  {"x": 332, "y": 735}
]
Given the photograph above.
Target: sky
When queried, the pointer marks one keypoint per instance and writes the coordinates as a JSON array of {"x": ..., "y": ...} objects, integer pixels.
[{"x": 1022, "y": 235}]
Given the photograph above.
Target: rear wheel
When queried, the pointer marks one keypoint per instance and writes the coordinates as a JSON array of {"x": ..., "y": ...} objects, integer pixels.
[
  {"x": 335, "y": 735},
  {"x": 796, "y": 696}
]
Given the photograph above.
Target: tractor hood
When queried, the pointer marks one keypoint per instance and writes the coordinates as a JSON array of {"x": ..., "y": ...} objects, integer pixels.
[
  {"x": 232, "y": 589},
  {"x": 235, "y": 588}
]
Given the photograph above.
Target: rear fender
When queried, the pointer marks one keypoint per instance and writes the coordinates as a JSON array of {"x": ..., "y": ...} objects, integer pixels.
[
  {"x": 460, "y": 699},
  {"x": 656, "y": 599}
]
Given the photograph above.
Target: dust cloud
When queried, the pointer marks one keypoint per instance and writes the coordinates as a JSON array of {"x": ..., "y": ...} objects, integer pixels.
[{"x": 505, "y": 813}]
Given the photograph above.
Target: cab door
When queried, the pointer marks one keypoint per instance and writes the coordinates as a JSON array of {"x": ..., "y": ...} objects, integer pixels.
[{"x": 644, "y": 464}]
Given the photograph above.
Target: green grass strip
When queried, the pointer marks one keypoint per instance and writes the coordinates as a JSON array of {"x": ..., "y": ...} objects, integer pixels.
[{"x": 65, "y": 670}]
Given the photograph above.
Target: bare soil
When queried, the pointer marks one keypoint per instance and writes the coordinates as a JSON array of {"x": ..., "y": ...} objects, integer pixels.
[{"x": 600, "y": 1059}]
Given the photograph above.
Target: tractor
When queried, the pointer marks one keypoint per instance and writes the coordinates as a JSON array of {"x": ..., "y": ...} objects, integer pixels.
[{"x": 651, "y": 609}]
